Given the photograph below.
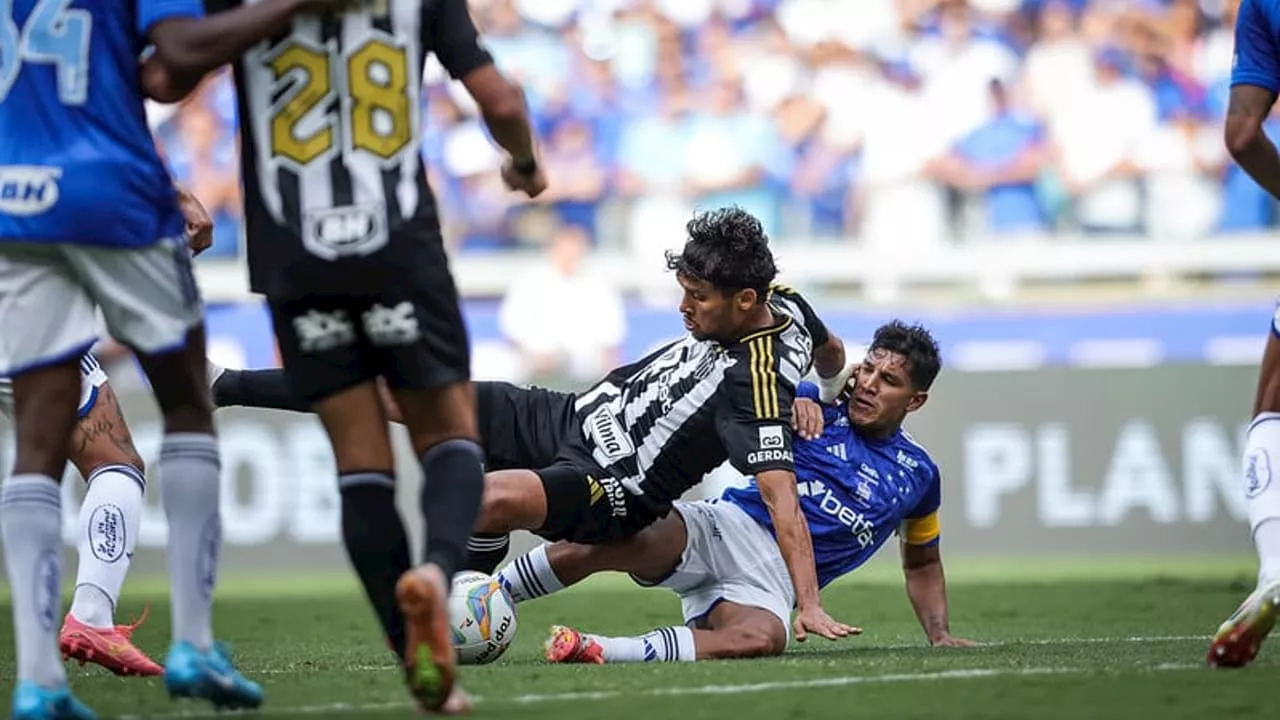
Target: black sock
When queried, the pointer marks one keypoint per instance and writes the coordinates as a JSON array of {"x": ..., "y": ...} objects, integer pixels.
[
  {"x": 377, "y": 546},
  {"x": 257, "y": 388},
  {"x": 453, "y": 482},
  {"x": 485, "y": 551}
]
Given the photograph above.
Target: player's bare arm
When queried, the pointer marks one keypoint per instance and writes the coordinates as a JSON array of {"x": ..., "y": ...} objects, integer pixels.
[
  {"x": 187, "y": 48},
  {"x": 1247, "y": 108},
  {"x": 829, "y": 357},
  {"x": 501, "y": 101},
  {"x": 778, "y": 488},
  {"x": 927, "y": 590}
]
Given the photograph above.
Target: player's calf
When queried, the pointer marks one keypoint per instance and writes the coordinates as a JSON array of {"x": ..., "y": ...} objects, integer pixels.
[
  {"x": 648, "y": 556},
  {"x": 373, "y": 532},
  {"x": 102, "y": 450},
  {"x": 189, "y": 469},
  {"x": 45, "y": 402},
  {"x": 442, "y": 428}
]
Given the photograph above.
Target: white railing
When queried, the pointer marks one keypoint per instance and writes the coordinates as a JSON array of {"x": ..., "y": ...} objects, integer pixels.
[{"x": 994, "y": 268}]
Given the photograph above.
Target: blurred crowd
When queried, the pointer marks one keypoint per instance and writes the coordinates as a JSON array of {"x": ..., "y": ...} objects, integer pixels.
[{"x": 895, "y": 122}]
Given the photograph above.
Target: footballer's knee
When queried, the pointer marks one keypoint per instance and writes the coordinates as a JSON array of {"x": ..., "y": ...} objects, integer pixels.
[
  {"x": 44, "y": 407},
  {"x": 180, "y": 385},
  {"x": 739, "y": 631},
  {"x": 513, "y": 500},
  {"x": 744, "y": 640},
  {"x": 435, "y": 415},
  {"x": 758, "y": 640},
  {"x": 357, "y": 428}
]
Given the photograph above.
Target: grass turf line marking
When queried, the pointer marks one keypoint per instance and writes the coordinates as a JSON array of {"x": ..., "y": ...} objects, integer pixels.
[
  {"x": 887, "y": 646},
  {"x": 528, "y": 699}
]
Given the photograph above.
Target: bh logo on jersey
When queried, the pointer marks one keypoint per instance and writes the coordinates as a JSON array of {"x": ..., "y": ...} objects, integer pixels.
[
  {"x": 861, "y": 528},
  {"x": 352, "y": 230},
  {"x": 28, "y": 189}
]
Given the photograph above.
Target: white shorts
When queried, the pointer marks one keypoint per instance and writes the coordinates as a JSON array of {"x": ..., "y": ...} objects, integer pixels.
[
  {"x": 50, "y": 294},
  {"x": 92, "y": 378},
  {"x": 729, "y": 557}
]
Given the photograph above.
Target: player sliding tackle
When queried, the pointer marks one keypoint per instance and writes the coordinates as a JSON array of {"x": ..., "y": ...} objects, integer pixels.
[
  {"x": 861, "y": 477},
  {"x": 612, "y": 460},
  {"x": 1255, "y": 80}
]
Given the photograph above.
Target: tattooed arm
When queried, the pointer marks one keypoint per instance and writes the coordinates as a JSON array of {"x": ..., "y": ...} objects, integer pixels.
[{"x": 1255, "y": 79}]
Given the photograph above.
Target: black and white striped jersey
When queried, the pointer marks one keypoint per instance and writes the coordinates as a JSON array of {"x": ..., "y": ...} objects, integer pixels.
[
  {"x": 658, "y": 425},
  {"x": 330, "y": 121}
]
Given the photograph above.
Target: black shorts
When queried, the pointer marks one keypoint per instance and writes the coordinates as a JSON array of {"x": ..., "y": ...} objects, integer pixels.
[
  {"x": 523, "y": 428},
  {"x": 409, "y": 331},
  {"x": 536, "y": 429},
  {"x": 587, "y": 505}
]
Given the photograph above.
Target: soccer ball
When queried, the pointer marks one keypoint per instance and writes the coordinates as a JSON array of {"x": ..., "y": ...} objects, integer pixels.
[{"x": 482, "y": 617}]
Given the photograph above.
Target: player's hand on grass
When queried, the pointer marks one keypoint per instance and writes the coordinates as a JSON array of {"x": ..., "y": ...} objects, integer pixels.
[
  {"x": 948, "y": 641},
  {"x": 814, "y": 619},
  {"x": 806, "y": 418},
  {"x": 199, "y": 223}
]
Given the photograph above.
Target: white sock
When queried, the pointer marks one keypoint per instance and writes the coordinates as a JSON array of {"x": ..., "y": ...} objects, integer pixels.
[
  {"x": 189, "y": 472},
  {"x": 31, "y": 527},
  {"x": 668, "y": 644},
  {"x": 1262, "y": 489},
  {"x": 110, "y": 517},
  {"x": 530, "y": 576}
]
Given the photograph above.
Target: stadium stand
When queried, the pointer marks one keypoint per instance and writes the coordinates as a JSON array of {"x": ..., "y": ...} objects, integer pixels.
[{"x": 902, "y": 153}]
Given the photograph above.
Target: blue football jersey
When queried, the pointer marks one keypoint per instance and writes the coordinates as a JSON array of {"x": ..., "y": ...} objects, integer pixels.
[
  {"x": 855, "y": 492},
  {"x": 78, "y": 164},
  {"x": 1257, "y": 45}
]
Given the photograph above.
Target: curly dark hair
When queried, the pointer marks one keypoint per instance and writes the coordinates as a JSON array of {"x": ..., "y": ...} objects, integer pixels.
[
  {"x": 916, "y": 344},
  {"x": 729, "y": 249}
]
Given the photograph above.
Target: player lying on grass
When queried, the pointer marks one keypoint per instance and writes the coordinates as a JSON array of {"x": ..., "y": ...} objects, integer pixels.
[
  {"x": 602, "y": 465},
  {"x": 102, "y": 450},
  {"x": 861, "y": 478}
]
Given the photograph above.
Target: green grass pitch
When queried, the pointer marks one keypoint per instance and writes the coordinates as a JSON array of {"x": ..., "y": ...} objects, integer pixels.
[{"x": 1111, "y": 638}]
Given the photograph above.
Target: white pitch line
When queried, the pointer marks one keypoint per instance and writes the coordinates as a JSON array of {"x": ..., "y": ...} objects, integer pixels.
[
  {"x": 529, "y": 699},
  {"x": 885, "y": 646}
]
